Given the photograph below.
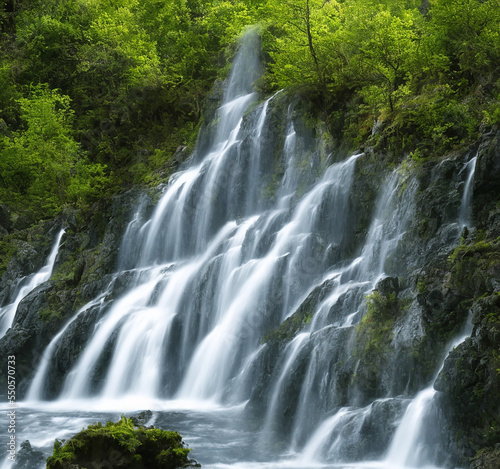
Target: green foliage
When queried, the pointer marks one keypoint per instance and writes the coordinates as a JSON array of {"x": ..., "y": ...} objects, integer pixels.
[
  {"x": 7, "y": 249},
  {"x": 37, "y": 160},
  {"x": 389, "y": 63},
  {"x": 8, "y": 96},
  {"x": 121, "y": 443},
  {"x": 96, "y": 96},
  {"x": 468, "y": 31},
  {"x": 89, "y": 183}
]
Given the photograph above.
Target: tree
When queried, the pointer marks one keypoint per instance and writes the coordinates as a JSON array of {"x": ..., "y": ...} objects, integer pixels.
[
  {"x": 385, "y": 50},
  {"x": 301, "y": 41},
  {"x": 36, "y": 162},
  {"x": 469, "y": 32}
]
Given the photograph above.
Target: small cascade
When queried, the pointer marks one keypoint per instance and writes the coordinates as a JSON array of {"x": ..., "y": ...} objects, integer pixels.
[
  {"x": 332, "y": 437},
  {"x": 290, "y": 178},
  {"x": 8, "y": 313},
  {"x": 464, "y": 218},
  {"x": 292, "y": 351},
  {"x": 405, "y": 447},
  {"x": 133, "y": 239},
  {"x": 256, "y": 166},
  {"x": 36, "y": 390},
  {"x": 410, "y": 445}
]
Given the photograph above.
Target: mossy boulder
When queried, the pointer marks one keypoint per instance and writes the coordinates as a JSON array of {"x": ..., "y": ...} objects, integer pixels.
[{"x": 121, "y": 445}]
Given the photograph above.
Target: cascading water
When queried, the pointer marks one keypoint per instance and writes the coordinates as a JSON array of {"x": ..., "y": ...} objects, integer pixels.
[
  {"x": 239, "y": 242},
  {"x": 27, "y": 285},
  {"x": 202, "y": 261},
  {"x": 464, "y": 218},
  {"x": 410, "y": 446},
  {"x": 36, "y": 390},
  {"x": 329, "y": 340}
]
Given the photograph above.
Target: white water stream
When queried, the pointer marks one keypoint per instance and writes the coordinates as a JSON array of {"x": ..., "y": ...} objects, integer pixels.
[
  {"x": 464, "y": 218},
  {"x": 27, "y": 285},
  {"x": 408, "y": 447}
]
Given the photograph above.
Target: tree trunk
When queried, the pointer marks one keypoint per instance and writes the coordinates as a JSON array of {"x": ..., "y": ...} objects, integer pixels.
[{"x": 309, "y": 36}]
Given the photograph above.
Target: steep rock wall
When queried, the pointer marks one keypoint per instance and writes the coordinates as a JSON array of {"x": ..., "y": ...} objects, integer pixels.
[
  {"x": 438, "y": 275},
  {"x": 85, "y": 262}
]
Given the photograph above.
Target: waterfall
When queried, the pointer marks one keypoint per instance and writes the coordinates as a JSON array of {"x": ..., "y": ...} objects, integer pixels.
[
  {"x": 26, "y": 285},
  {"x": 330, "y": 343},
  {"x": 254, "y": 230},
  {"x": 143, "y": 318},
  {"x": 464, "y": 218},
  {"x": 409, "y": 447},
  {"x": 293, "y": 350},
  {"x": 35, "y": 392},
  {"x": 213, "y": 273}
]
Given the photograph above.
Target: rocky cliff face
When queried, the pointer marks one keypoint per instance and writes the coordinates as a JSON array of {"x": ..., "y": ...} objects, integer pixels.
[
  {"x": 443, "y": 274},
  {"x": 470, "y": 380},
  {"x": 440, "y": 274},
  {"x": 86, "y": 259}
]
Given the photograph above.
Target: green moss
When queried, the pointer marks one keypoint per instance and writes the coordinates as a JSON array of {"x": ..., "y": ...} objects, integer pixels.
[
  {"x": 7, "y": 250},
  {"x": 272, "y": 188},
  {"x": 375, "y": 330},
  {"x": 121, "y": 444},
  {"x": 466, "y": 250},
  {"x": 486, "y": 458},
  {"x": 473, "y": 265},
  {"x": 47, "y": 314},
  {"x": 65, "y": 272},
  {"x": 421, "y": 286},
  {"x": 289, "y": 328},
  {"x": 374, "y": 335}
]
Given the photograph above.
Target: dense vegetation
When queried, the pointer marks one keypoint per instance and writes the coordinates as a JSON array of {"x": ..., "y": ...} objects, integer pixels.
[
  {"x": 96, "y": 95},
  {"x": 121, "y": 444}
]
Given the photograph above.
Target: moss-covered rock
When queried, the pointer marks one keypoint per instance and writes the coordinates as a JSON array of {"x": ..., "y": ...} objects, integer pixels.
[
  {"x": 374, "y": 336},
  {"x": 121, "y": 445},
  {"x": 467, "y": 283},
  {"x": 470, "y": 381}
]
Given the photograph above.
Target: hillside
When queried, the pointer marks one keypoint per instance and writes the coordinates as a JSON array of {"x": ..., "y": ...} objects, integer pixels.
[{"x": 289, "y": 211}]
